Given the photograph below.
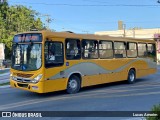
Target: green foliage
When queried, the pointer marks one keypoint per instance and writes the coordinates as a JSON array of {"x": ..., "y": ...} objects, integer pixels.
[
  {"x": 15, "y": 19},
  {"x": 4, "y": 84},
  {"x": 155, "y": 110}
]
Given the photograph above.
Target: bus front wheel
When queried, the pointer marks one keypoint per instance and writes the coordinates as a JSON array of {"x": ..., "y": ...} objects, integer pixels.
[
  {"x": 131, "y": 76},
  {"x": 73, "y": 85}
]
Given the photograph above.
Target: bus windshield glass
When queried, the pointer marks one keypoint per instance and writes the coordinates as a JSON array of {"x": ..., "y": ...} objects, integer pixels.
[
  {"x": 27, "y": 52},
  {"x": 26, "y": 57}
]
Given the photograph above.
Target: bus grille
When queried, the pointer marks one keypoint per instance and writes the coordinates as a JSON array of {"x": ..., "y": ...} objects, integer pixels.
[
  {"x": 23, "y": 75},
  {"x": 22, "y": 85}
]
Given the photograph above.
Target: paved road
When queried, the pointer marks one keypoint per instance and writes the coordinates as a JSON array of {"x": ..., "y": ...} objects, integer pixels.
[
  {"x": 140, "y": 96},
  {"x": 4, "y": 78},
  {"x": 4, "y": 75}
]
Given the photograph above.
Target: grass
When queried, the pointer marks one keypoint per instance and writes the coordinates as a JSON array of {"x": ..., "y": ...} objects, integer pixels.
[
  {"x": 156, "y": 110},
  {"x": 4, "y": 84}
]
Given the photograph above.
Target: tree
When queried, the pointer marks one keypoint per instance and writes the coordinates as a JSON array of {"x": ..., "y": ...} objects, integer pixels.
[{"x": 15, "y": 19}]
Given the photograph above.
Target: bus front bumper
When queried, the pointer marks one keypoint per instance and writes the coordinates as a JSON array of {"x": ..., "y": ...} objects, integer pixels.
[{"x": 38, "y": 87}]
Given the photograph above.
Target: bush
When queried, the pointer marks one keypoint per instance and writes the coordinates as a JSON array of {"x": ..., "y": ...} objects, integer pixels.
[{"x": 155, "y": 110}]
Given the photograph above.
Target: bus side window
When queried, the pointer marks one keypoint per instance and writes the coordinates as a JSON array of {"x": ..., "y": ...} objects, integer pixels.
[
  {"x": 131, "y": 49},
  {"x": 105, "y": 49},
  {"x": 54, "y": 54},
  {"x": 120, "y": 49},
  {"x": 142, "y": 50},
  {"x": 73, "y": 49},
  {"x": 151, "y": 49},
  {"x": 90, "y": 49}
]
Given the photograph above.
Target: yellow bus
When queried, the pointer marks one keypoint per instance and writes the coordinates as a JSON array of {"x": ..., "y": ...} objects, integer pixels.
[{"x": 45, "y": 61}]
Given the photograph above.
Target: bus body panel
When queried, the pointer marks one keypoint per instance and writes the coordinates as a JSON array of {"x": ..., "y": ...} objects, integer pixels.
[
  {"x": 92, "y": 71},
  {"x": 55, "y": 85},
  {"x": 117, "y": 71},
  {"x": 38, "y": 88}
]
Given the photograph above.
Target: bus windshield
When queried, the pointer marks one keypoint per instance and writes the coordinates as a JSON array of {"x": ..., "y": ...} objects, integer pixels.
[{"x": 27, "y": 56}]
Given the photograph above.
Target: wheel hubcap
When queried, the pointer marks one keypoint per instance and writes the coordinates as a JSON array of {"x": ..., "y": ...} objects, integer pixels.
[
  {"x": 131, "y": 77},
  {"x": 73, "y": 84}
]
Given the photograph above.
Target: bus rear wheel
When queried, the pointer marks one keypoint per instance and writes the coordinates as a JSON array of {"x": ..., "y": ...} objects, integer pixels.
[
  {"x": 131, "y": 76},
  {"x": 73, "y": 85}
]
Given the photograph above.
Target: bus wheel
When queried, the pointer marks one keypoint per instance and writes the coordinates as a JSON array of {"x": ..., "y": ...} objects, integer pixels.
[
  {"x": 131, "y": 76},
  {"x": 73, "y": 85}
]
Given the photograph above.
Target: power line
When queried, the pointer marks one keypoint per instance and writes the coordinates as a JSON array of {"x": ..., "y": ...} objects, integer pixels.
[
  {"x": 103, "y": 22},
  {"x": 94, "y": 1},
  {"x": 91, "y": 5}
]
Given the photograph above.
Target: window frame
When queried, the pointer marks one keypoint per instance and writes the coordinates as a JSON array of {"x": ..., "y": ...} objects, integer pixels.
[
  {"x": 50, "y": 41},
  {"x": 106, "y": 49},
  {"x": 87, "y": 49},
  {"x": 132, "y": 49},
  {"x": 120, "y": 49},
  {"x": 154, "y": 44},
  {"x": 66, "y": 48},
  {"x": 144, "y": 56}
]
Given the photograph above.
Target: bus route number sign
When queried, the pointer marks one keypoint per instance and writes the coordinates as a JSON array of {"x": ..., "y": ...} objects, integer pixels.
[{"x": 28, "y": 38}]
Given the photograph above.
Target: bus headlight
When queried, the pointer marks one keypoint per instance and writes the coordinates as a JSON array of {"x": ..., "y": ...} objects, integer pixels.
[
  {"x": 14, "y": 78},
  {"x": 11, "y": 76},
  {"x": 36, "y": 79}
]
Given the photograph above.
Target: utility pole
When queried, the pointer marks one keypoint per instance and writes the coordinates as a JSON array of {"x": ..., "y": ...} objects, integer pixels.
[
  {"x": 124, "y": 30},
  {"x": 85, "y": 31},
  {"x": 48, "y": 20},
  {"x": 133, "y": 32}
]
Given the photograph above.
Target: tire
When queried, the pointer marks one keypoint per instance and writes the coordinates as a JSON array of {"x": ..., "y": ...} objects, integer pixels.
[
  {"x": 73, "y": 85},
  {"x": 131, "y": 76}
]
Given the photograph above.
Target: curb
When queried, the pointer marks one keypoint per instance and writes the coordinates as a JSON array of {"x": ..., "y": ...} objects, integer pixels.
[
  {"x": 5, "y": 77},
  {"x": 4, "y": 81},
  {"x": 5, "y": 70},
  {"x": 5, "y": 86},
  {"x": 7, "y": 73}
]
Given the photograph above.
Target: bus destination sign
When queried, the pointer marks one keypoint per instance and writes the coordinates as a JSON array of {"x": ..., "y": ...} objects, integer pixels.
[{"x": 27, "y": 38}]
